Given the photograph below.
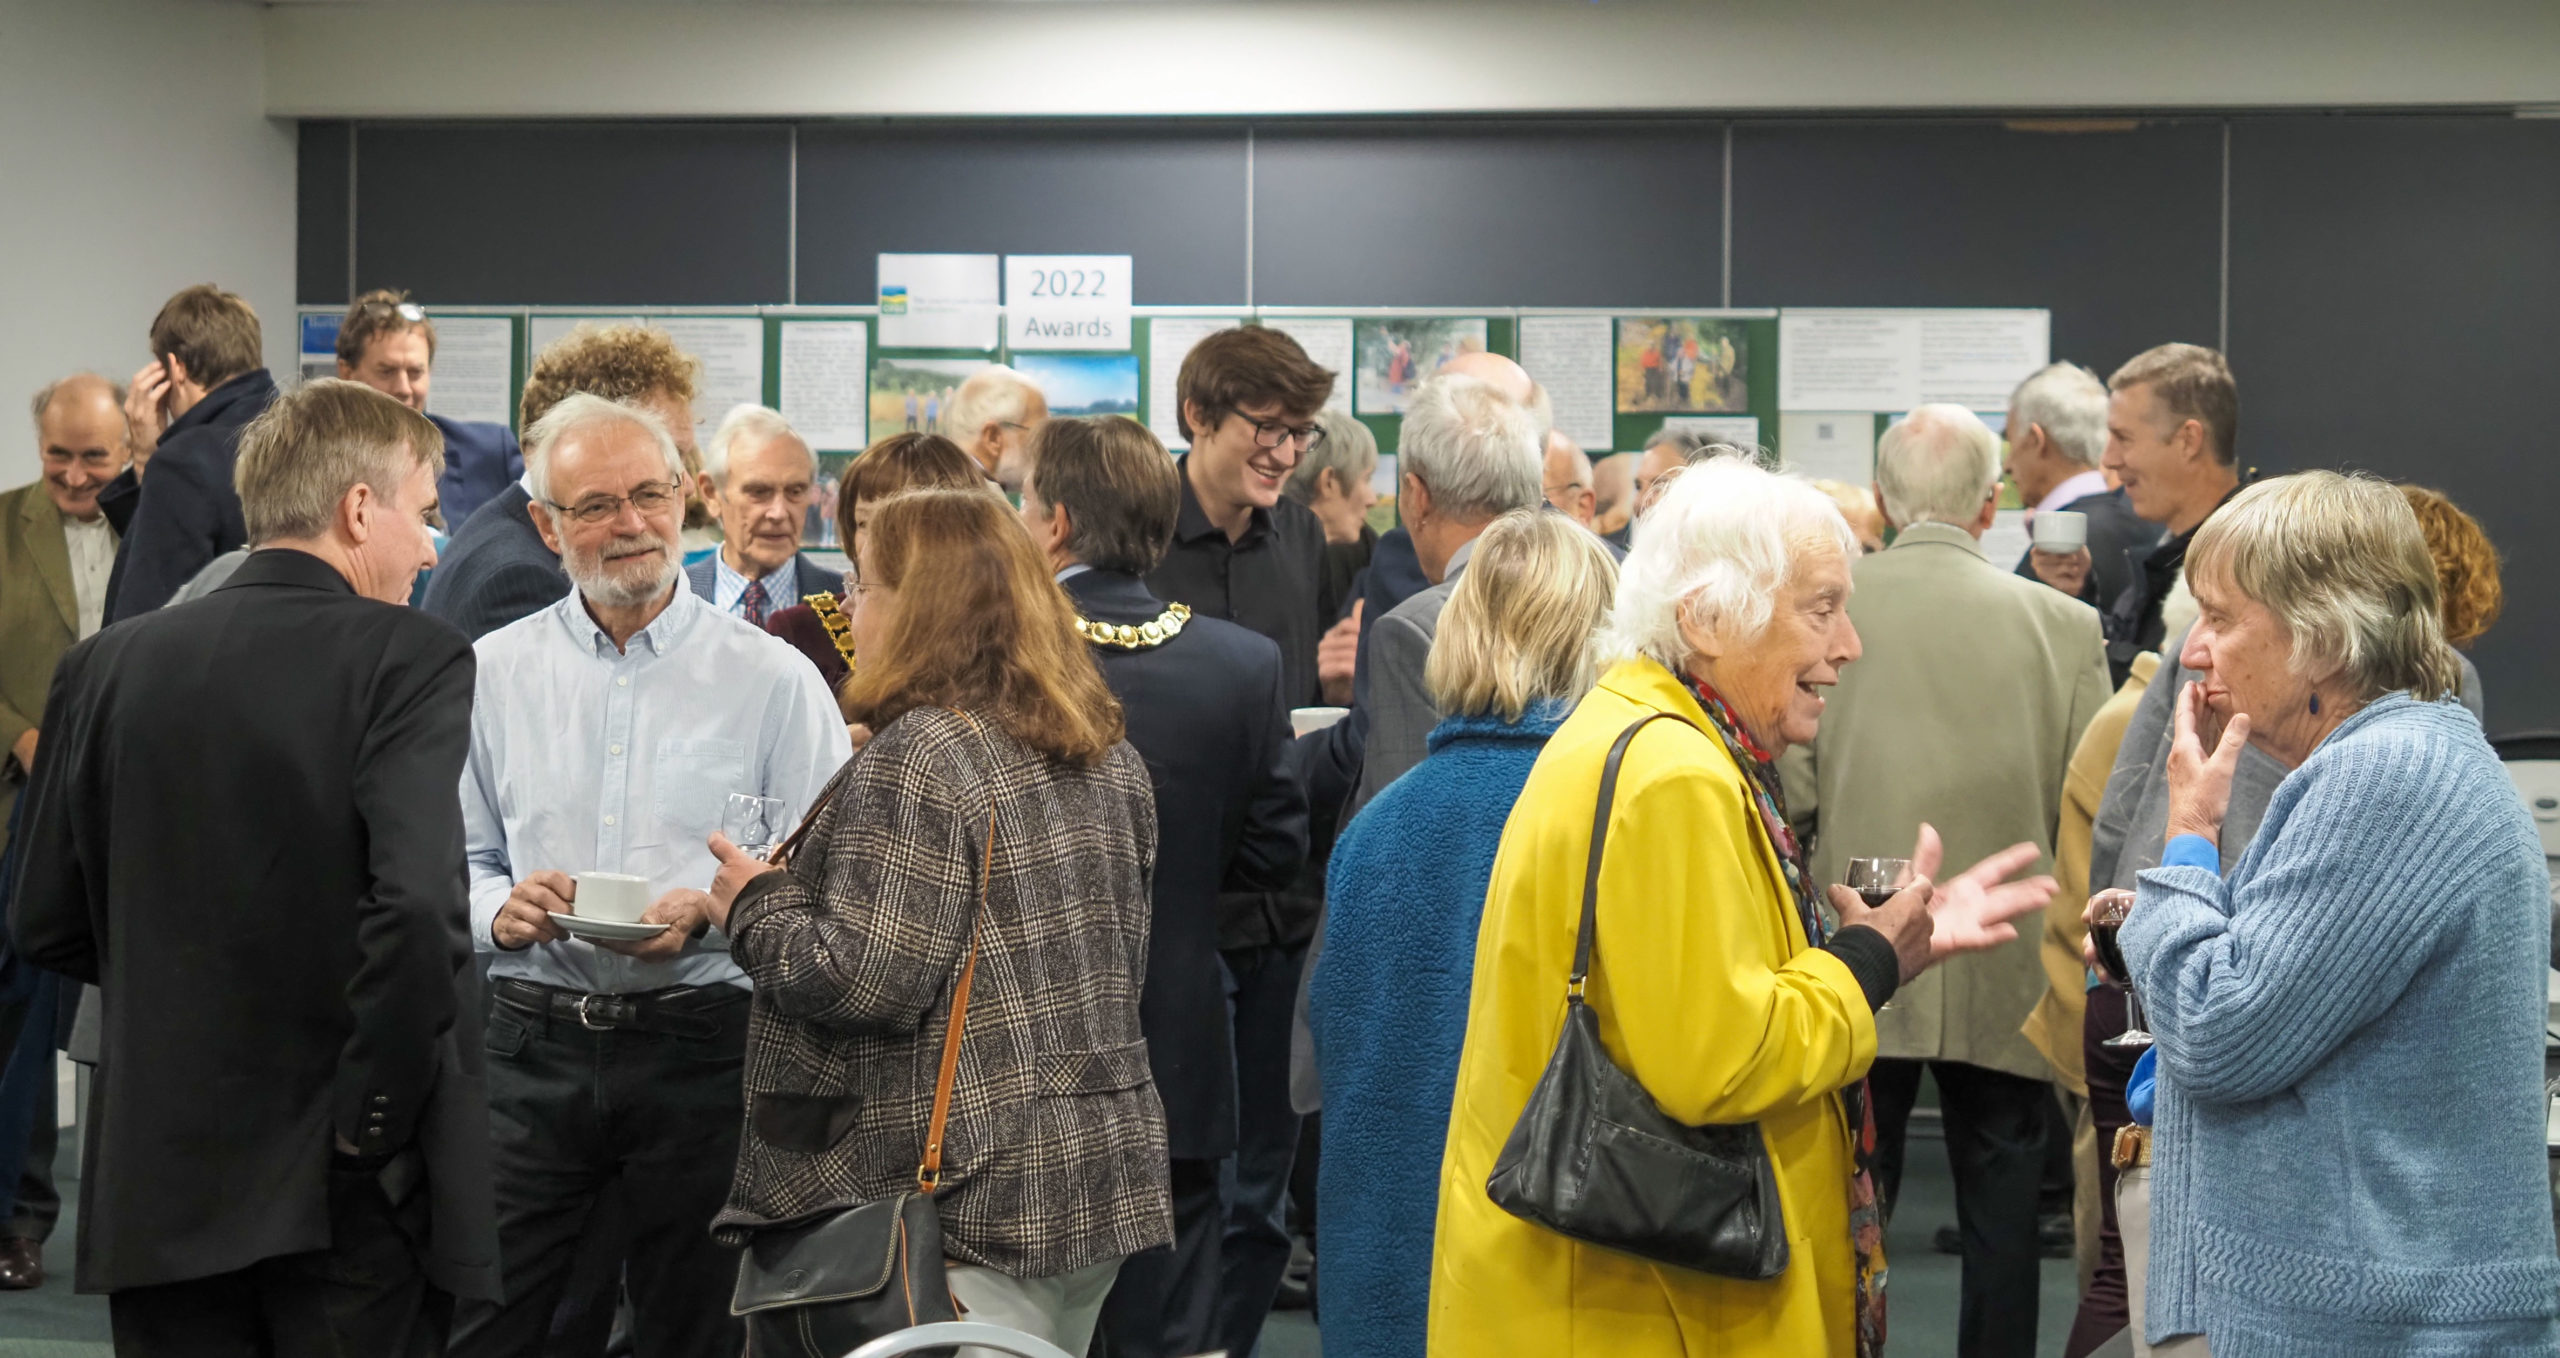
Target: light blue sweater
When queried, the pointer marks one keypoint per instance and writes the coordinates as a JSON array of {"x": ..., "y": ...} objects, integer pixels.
[{"x": 2350, "y": 1154}]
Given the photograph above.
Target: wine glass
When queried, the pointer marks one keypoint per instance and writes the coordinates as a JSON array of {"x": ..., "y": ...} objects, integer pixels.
[
  {"x": 1875, "y": 880},
  {"x": 2112, "y": 905},
  {"x": 753, "y": 823}
]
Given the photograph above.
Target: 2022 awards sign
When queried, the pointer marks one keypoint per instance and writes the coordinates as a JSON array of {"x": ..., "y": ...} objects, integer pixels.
[{"x": 1067, "y": 301}]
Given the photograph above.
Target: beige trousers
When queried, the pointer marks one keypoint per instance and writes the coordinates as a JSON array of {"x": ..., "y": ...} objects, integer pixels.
[
  {"x": 1062, "y": 1309},
  {"x": 2133, "y": 1226}
]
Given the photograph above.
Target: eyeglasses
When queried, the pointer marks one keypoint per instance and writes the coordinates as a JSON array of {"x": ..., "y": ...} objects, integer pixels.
[
  {"x": 410, "y": 312},
  {"x": 649, "y": 497},
  {"x": 1273, "y": 433}
]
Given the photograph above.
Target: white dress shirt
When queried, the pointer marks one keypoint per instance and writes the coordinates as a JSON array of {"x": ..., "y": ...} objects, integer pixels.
[
  {"x": 92, "y": 543},
  {"x": 2079, "y": 486},
  {"x": 585, "y": 759},
  {"x": 781, "y": 588}
]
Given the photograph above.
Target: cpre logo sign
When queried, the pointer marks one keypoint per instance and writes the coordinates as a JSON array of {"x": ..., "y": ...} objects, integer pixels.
[{"x": 1067, "y": 301}]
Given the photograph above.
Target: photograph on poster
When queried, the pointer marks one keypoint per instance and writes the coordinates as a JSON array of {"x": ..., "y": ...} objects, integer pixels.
[
  {"x": 1681, "y": 363},
  {"x": 1396, "y": 355},
  {"x": 908, "y": 394},
  {"x": 1083, "y": 384},
  {"x": 819, "y": 533}
]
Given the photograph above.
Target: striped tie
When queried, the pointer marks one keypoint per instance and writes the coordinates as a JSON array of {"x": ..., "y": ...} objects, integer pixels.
[{"x": 751, "y": 604}]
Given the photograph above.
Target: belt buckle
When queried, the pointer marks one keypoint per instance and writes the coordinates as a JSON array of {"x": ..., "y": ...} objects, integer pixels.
[{"x": 588, "y": 1023}]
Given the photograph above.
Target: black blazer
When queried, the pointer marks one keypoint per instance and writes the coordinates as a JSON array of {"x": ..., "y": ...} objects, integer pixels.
[
  {"x": 496, "y": 569},
  {"x": 186, "y": 512},
  {"x": 2119, "y": 540},
  {"x": 1206, "y": 712},
  {"x": 242, "y": 826}
]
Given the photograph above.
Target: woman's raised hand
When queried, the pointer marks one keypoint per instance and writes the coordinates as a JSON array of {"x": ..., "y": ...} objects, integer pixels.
[
  {"x": 2200, "y": 783},
  {"x": 1972, "y": 910}
]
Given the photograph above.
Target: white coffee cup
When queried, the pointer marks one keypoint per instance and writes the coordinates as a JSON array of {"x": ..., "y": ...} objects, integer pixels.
[
  {"x": 2061, "y": 531},
  {"x": 1303, "y": 720},
  {"x": 612, "y": 896}
]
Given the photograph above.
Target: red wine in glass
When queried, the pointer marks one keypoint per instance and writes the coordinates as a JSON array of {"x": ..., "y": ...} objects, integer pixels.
[{"x": 2113, "y": 905}]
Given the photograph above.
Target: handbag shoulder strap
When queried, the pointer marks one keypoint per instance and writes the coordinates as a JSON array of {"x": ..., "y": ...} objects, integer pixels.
[
  {"x": 1590, "y": 930},
  {"x": 929, "y": 1171}
]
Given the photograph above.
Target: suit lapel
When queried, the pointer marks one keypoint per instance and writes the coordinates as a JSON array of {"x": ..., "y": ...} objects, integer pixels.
[{"x": 52, "y": 553}]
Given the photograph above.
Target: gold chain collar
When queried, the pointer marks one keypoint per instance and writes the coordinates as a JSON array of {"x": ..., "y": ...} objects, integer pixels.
[
  {"x": 1135, "y": 637},
  {"x": 831, "y": 617}
]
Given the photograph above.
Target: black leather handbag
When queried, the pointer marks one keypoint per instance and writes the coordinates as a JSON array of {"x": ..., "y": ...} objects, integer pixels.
[
  {"x": 825, "y": 1286},
  {"x": 1593, "y": 1156}
]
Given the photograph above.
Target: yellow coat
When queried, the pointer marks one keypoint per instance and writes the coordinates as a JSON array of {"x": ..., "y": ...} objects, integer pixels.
[{"x": 1706, "y": 992}]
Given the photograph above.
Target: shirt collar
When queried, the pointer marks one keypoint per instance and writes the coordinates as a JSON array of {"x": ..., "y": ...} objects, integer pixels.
[
  {"x": 1943, "y": 534},
  {"x": 1458, "y": 560},
  {"x": 734, "y": 582},
  {"x": 1073, "y": 570},
  {"x": 2080, "y": 486},
  {"x": 1192, "y": 524},
  {"x": 661, "y": 635}
]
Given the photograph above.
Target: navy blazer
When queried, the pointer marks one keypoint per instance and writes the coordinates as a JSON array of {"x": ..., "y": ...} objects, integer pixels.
[
  {"x": 812, "y": 578},
  {"x": 187, "y": 512},
  {"x": 496, "y": 569},
  {"x": 479, "y": 461},
  {"x": 1206, "y": 713}
]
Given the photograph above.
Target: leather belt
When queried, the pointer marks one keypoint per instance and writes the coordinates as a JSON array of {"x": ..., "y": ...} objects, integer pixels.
[
  {"x": 2133, "y": 1146},
  {"x": 679, "y": 1011}
]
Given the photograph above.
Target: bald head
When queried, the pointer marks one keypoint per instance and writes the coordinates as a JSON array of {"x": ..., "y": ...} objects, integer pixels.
[
  {"x": 991, "y": 416},
  {"x": 1568, "y": 480},
  {"x": 1494, "y": 371},
  {"x": 80, "y": 438}
]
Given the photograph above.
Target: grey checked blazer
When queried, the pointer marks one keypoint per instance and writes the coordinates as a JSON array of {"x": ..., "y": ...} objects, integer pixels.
[{"x": 1055, "y": 1154}]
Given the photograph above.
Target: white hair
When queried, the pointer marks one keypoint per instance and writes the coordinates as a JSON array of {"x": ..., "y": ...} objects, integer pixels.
[
  {"x": 1477, "y": 451},
  {"x": 1937, "y": 466},
  {"x": 1715, "y": 551},
  {"x": 994, "y": 394},
  {"x": 576, "y": 411},
  {"x": 751, "y": 421},
  {"x": 2069, "y": 403}
]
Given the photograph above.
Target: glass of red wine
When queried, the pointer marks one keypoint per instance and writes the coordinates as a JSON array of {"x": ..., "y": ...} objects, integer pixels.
[
  {"x": 1875, "y": 880},
  {"x": 2109, "y": 910}
]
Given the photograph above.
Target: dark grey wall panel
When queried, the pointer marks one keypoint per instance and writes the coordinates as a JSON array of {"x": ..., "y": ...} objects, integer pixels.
[
  {"x": 568, "y": 214},
  {"x": 2117, "y": 232},
  {"x": 2395, "y": 306},
  {"x": 1174, "y": 199},
  {"x": 320, "y": 212},
  {"x": 1594, "y": 214}
]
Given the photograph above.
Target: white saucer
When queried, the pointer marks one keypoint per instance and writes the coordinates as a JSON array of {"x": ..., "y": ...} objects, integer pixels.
[{"x": 613, "y": 929}]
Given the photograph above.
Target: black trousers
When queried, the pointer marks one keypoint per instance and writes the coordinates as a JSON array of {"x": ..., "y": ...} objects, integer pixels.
[
  {"x": 573, "y": 1111},
  {"x": 1995, "y": 1127},
  {"x": 2104, "y": 1308},
  {"x": 1255, "y": 1251},
  {"x": 364, "y": 1297},
  {"x": 1164, "y": 1304}
]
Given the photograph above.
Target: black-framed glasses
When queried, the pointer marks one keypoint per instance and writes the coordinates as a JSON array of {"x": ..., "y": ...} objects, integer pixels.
[
  {"x": 649, "y": 497},
  {"x": 1273, "y": 433}
]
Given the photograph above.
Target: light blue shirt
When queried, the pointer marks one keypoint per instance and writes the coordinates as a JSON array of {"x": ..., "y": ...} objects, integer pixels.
[
  {"x": 781, "y": 589},
  {"x": 585, "y": 759}
]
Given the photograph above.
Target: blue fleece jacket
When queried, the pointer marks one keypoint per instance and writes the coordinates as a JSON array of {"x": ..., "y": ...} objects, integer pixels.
[
  {"x": 1388, "y": 1009},
  {"x": 2348, "y": 1157}
]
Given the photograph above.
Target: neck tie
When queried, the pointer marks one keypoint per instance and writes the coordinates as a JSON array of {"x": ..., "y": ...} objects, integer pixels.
[{"x": 751, "y": 604}]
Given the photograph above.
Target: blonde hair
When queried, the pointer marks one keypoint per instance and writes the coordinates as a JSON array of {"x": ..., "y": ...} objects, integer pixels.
[
  {"x": 2343, "y": 565},
  {"x": 302, "y": 455},
  {"x": 1519, "y": 625}
]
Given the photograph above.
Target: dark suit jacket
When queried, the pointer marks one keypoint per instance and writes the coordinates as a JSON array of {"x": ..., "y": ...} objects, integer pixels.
[
  {"x": 2119, "y": 539},
  {"x": 243, "y": 828},
  {"x": 496, "y": 569},
  {"x": 188, "y": 514},
  {"x": 479, "y": 461},
  {"x": 1206, "y": 713}
]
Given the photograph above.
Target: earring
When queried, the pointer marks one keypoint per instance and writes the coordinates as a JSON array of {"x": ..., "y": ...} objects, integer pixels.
[{"x": 2315, "y": 704}]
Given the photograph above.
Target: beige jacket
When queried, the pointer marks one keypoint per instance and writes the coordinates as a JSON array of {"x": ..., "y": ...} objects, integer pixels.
[
  {"x": 39, "y": 617},
  {"x": 1974, "y": 689}
]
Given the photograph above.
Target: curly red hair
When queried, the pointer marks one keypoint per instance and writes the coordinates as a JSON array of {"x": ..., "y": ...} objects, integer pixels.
[{"x": 2466, "y": 564}]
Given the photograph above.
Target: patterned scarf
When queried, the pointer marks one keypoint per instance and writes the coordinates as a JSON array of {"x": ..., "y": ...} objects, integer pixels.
[{"x": 1866, "y": 1214}]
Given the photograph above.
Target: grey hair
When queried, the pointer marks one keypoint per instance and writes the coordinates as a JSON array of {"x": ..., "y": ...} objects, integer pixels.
[
  {"x": 1348, "y": 450},
  {"x": 1715, "y": 551},
  {"x": 1696, "y": 448},
  {"x": 46, "y": 393},
  {"x": 2342, "y": 563},
  {"x": 2069, "y": 404},
  {"x": 993, "y": 394},
  {"x": 576, "y": 411},
  {"x": 748, "y": 420},
  {"x": 1474, "y": 448},
  {"x": 1937, "y": 466}
]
